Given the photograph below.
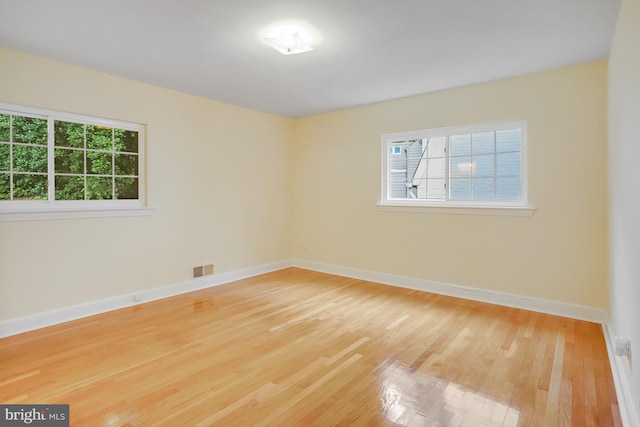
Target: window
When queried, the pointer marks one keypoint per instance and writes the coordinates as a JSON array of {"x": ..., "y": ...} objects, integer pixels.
[
  {"x": 478, "y": 166},
  {"x": 58, "y": 162}
]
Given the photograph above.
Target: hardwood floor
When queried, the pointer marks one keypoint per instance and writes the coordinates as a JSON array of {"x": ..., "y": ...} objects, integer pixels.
[{"x": 300, "y": 348}]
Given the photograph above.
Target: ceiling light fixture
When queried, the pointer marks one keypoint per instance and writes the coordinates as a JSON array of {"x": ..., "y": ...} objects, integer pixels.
[
  {"x": 290, "y": 37},
  {"x": 289, "y": 43}
]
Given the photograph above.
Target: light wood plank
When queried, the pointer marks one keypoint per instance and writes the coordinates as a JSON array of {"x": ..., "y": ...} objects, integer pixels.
[{"x": 302, "y": 348}]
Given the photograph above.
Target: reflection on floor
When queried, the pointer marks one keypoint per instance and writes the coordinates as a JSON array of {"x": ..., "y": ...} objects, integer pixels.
[{"x": 431, "y": 401}]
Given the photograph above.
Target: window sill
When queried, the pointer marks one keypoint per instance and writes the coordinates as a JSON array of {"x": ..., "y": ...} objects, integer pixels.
[
  {"x": 41, "y": 214},
  {"x": 463, "y": 210}
]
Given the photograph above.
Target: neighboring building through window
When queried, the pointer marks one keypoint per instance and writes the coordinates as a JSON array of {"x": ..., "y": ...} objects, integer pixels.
[
  {"x": 396, "y": 149},
  {"x": 477, "y": 165},
  {"x": 58, "y": 160}
]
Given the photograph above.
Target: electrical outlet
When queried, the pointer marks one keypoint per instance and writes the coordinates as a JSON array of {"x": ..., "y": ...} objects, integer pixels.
[
  {"x": 243, "y": 254},
  {"x": 208, "y": 269},
  {"x": 622, "y": 346}
]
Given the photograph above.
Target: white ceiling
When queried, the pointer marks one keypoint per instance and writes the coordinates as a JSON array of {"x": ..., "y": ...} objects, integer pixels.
[{"x": 372, "y": 50}]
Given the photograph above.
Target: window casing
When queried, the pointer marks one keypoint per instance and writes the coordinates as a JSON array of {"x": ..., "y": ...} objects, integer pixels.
[
  {"x": 476, "y": 166},
  {"x": 57, "y": 165}
]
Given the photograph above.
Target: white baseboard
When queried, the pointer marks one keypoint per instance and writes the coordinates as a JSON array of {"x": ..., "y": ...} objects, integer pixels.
[
  {"x": 628, "y": 410},
  {"x": 54, "y": 317},
  {"x": 572, "y": 311},
  {"x": 49, "y": 318}
]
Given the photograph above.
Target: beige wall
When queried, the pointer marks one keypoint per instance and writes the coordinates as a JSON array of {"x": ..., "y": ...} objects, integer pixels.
[
  {"x": 624, "y": 179},
  {"x": 225, "y": 179},
  {"x": 560, "y": 253},
  {"x": 217, "y": 176}
]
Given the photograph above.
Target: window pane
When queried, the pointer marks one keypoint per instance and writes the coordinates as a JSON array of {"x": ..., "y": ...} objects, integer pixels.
[
  {"x": 417, "y": 168},
  {"x": 125, "y": 140},
  {"x": 99, "y": 163},
  {"x": 508, "y": 188},
  {"x": 420, "y": 188},
  {"x": 126, "y": 188},
  {"x": 435, "y": 147},
  {"x": 69, "y": 188},
  {"x": 460, "y": 166},
  {"x": 69, "y": 134},
  {"x": 4, "y": 127},
  {"x": 398, "y": 162},
  {"x": 4, "y": 157},
  {"x": 483, "y": 165},
  {"x": 435, "y": 189},
  {"x": 29, "y": 159},
  {"x": 460, "y": 188},
  {"x": 416, "y": 147},
  {"x": 508, "y": 140},
  {"x": 482, "y": 143},
  {"x": 460, "y": 145},
  {"x": 5, "y": 187},
  {"x": 99, "y": 188},
  {"x": 436, "y": 168},
  {"x": 483, "y": 188},
  {"x": 397, "y": 187},
  {"x": 508, "y": 164},
  {"x": 421, "y": 173},
  {"x": 69, "y": 161},
  {"x": 29, "y": 187},
  {"x": 29, "y": 130},
  {"x": 99, "y": 138}
]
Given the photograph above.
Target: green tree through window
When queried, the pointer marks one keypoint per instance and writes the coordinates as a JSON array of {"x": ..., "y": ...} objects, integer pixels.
[{"x": 90, "y": 161}]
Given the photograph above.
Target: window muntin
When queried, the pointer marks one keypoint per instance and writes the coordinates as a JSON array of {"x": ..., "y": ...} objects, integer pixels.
[
  {"x": 63, "y": 159},
  {"x": 478, "y": 165}
]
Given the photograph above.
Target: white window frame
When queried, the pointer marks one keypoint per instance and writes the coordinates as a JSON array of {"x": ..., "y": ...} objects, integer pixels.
[
  {"x": 28, "y": 210},
  {"x": 485, "y": 207}
]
